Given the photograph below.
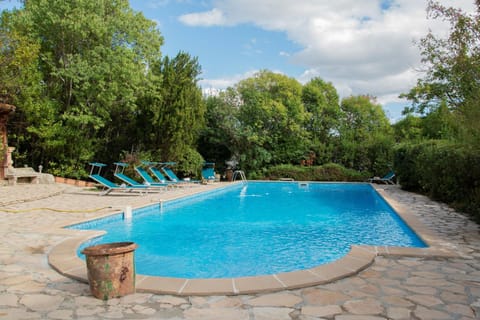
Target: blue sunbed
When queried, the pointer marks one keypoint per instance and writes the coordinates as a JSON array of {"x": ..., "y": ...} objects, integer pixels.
[
  {"x": 119, "y": 173},
  {"x": 108, "y": 185},
  {"x": 208, "y": 171},
  {"x": 387, "y": 179},
  {"x": 173, "y": 177},
  {"x": 149, "y": 180}
]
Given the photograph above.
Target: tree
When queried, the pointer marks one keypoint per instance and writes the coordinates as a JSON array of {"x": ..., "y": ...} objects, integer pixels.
[
  {"x": 176, "y": 111},
  {"x": 18, "y": 62},
  {"x": 452, "y": 64},
  {"x": 93, "y": 59},
  {"x": 439, "y": 124},
  {"x": 219, "y": 140},
  {"x": 408, "y": 129},
  {"x": 20, "y": 83},
  {"x": 273, "y": 117},
  {"x": 322, "y": 104},
  {"x": 365, "y": 135},
  {"x": 452, "y": 77}
]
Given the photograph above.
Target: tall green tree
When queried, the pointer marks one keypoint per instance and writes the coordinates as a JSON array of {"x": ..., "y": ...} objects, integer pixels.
[
  {"x": 20, "y": 83},
  {"x": 220, "y": 139},
  {"x": 448, "y": 93},
  {"x": 452, "y": 65},
  {"x": 408, "y": 129},
  {"x": 321, "y": 101},
  {"x": 19, "y": 74},
  {"x": 440, "y": 123},
  {"x": 273, "y": 120},
  {"x": 93, "y": 59},
  {"x": 365, "y": 135},
  {"x": 176, "y": 110}
]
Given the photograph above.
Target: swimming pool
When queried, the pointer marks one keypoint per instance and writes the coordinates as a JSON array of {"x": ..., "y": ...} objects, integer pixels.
[{"x": 255, "y": 229}]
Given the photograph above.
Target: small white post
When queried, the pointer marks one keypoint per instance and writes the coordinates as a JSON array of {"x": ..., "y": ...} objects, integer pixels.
[{"x": 127, "y": 213}]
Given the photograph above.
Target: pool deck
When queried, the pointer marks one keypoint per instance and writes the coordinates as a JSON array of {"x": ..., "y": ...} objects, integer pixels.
[{"x": 439, "y": 282}]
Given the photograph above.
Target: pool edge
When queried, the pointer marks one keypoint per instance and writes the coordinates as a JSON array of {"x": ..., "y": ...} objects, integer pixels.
[{"x": 63, "y": 259}]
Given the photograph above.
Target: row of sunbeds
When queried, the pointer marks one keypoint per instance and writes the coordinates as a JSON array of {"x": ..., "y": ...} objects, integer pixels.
[{"x": 156, "y": 176}]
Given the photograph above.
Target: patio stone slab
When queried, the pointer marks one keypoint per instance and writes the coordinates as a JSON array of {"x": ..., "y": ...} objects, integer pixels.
[
  {"x": 321, "y": 311},
  {"x": 276, "y": 300},
  {"x": 214, "y": 314},
  {"x": 364, "y": 306},
  {"x": 8, "y": 299},
  {"x": 324, "y": 297},
  {"x": 41, "y": 302},
  {"x": 425, "y": 300},
  {"x": 266, "y": 313}
]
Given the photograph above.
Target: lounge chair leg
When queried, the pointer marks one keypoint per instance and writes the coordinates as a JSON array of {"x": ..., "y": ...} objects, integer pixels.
[{"x": 105, "y": 192}]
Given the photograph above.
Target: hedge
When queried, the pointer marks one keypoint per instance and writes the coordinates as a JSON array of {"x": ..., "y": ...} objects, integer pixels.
[
  {"x": 327, "y": 172},
  {"x": 444, "y": 170}
]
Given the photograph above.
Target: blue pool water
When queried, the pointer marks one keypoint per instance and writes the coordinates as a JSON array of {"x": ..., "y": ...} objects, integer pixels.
[{"x": 256, "y": 229}]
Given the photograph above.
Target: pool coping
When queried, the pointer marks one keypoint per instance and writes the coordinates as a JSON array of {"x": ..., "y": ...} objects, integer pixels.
[{"x": 63, "y": 258}]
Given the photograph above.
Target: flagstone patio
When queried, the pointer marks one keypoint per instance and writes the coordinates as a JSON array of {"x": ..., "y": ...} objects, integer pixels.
[{"x": 31, "y": 217}]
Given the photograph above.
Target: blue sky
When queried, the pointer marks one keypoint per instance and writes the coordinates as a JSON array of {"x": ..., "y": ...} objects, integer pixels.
[
  {"x": 224, "y": 51},
  {"x": 362, "y": 47}
]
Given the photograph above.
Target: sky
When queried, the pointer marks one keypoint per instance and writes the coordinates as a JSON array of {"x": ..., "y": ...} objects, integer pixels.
[{"x": 361, "y": 47}]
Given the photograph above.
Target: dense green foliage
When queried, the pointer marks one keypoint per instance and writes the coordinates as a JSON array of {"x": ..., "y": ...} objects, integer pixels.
[
  {"x": 326, "y": 172},
  {"x": 18, "y": 63},
  {"x": 448, "y": 95},
  {"x": 442, "y": 169},
  {"x": 271, "y": 114},
  {"x": 271, "y": 119},
  {"x": 366, "y": 136},
  {"x": 172, "y": 113},
  {"x": 100, "y": 88},
  {"x": 452, "y": 63},
  {"x": 222, "y": 134}
]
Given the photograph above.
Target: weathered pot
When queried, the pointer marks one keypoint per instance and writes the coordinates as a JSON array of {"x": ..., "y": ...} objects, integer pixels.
[{"x": 111, "y": 269}]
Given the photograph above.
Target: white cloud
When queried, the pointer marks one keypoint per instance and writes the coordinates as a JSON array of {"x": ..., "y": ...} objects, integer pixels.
[
  {"x": 360, "y": 46},
  {"x": 214, "y": 17},
  {"x": 224, "y": 83}
]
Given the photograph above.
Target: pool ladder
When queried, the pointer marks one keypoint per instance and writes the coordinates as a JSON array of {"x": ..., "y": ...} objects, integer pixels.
[{"x": 240, "y": 175}]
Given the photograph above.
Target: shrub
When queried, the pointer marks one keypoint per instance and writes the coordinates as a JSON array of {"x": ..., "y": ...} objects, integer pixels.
[
  {"x": 327, "y": 172},
  {"x": 444, "y": 170},
  {"x": 190, "y": 163}
]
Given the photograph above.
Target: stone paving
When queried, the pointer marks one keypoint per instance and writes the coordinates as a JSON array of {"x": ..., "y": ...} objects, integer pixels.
[{"x": 391, "y": 288}]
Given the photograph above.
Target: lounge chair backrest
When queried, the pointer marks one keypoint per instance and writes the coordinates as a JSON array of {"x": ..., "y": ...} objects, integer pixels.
[
  {"x": 127, "y": 179},
  {"x": 208, "y": 173},
  {"x": 98, "y": 166},
  {"x": 144, "y": 174},
  {"x": 389, "y": 175},
  {"x": 170, "y": 174},
  {"x": 104, "y": 181},
  {"x": 157, "y": 173}
]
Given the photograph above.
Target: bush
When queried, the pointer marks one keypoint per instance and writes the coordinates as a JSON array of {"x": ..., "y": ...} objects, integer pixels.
[
  {"x": 190, "y": 163},
  {"x": 327, "y": 172},
  {"x": 66, "y": 170},
  {"x": 444, "y": 170}
]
